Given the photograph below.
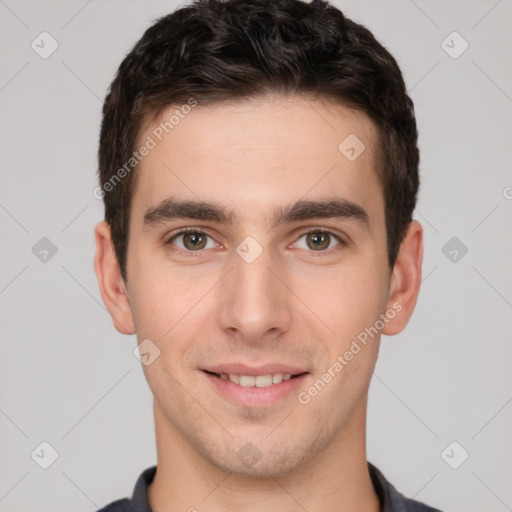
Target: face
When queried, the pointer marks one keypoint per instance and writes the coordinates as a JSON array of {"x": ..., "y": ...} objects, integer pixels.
[{"x": 257, "y": 262}]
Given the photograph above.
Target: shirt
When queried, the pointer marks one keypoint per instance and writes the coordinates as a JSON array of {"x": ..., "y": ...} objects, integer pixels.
[{"x": 390, "y": 499}]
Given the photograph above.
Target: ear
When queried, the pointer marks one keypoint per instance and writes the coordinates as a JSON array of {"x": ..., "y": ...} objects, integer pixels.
[
  {"x": 405, "y": 279},
  {"x": 112, "y": 286}
]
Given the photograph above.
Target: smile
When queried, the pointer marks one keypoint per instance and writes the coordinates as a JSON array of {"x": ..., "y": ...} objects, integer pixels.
[
  {"x": 258, "y": 381},
  {"x": 263, "y": 390}
]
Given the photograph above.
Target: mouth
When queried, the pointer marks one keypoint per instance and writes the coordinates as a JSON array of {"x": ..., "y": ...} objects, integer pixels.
[
  {"x": 255, "y": 388},
  {"x": 258, "y": 381}
]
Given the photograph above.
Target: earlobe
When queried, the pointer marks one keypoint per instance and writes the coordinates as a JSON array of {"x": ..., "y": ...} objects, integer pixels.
[
  {"x": 405, "y": 279},
  {"x": 112, "y": 287}
]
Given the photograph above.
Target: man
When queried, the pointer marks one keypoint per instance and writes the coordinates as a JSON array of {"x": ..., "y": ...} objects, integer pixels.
[{"x": 259, "y": 167}]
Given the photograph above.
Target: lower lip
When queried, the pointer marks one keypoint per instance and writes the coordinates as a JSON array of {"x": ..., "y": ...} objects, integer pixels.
[{"x": 253, "y": 396}]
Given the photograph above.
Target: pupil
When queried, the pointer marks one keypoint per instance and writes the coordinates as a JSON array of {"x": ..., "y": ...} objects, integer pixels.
[
  {"x": 194, "y": 239},
  {"x": 319, "y": 241}
]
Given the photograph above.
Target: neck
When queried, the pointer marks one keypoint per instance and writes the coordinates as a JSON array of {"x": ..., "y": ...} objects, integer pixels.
[{"x": 336, "y": 479}]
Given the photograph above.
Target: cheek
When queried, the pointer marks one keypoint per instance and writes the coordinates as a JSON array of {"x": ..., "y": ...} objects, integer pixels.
[
  {"x": 347, "y": 299},
  {"x": 158, "y": 294},
  {"x": 170, "y": 308},
  {"x": 350, "y": 305}
]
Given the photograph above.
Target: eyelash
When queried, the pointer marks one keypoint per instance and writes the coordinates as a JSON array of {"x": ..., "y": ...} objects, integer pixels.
[{"x": 198, "y": 253}]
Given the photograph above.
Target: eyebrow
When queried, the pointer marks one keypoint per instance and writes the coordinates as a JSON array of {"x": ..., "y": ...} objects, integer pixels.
[{"x": 172, "y": 208}]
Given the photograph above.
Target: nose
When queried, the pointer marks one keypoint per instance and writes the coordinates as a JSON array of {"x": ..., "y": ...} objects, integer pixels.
[{"x": 255, "y": 304}]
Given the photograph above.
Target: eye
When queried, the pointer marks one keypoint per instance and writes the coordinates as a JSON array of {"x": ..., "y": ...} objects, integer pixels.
[
  {"x": 192, "y": 240},
  {"x": 318, "y": 240}
]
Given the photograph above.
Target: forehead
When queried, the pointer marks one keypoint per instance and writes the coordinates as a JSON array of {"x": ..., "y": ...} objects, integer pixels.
[{"x": 256, "y": 154}]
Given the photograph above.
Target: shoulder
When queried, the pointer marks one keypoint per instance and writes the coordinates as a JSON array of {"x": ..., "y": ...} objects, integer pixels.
[
  {"x": 391, "y": 499},
  {"x": 139, "y": 500},
  {"x": 117, "y": 506}
]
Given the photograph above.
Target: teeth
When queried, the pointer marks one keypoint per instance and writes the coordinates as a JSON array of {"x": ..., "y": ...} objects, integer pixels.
[
  {"x": 246, "y": 381},
  {"x": 259, "y": 381},
  {"x": 263, "y": 381},
  {"x": 234, "y": 378},
  {"x": 277, "y": 378}
]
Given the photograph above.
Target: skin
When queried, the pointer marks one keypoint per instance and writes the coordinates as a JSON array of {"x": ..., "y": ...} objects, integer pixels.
[{"x": 293, "y": 304}]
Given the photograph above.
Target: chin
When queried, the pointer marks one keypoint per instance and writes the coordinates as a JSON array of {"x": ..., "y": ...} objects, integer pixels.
[{"x": 262, "y": 459}]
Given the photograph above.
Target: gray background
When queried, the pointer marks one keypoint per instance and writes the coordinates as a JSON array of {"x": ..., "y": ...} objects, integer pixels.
[{"x": 68, "y": 378}]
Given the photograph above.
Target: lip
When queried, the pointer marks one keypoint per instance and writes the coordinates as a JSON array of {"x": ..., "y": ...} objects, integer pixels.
[
  {"x": 253, "y": 396},
  {"x": 242, "y": 369}
]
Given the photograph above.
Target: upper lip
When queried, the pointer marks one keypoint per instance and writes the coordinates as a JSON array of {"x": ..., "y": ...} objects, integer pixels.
[{"x": 242, "y": 369}]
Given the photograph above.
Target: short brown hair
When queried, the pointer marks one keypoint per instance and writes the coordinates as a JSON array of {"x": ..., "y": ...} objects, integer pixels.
[{"x": 215, "y": 50}]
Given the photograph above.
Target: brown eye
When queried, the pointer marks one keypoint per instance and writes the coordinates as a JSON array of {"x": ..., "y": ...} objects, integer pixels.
[
  {"x": 190, "y": 240},
  {"x": 318, "y": 240},
  {"x": 194, "y": 241}
]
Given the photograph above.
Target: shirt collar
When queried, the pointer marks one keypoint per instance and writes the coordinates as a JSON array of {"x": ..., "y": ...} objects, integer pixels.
[{"x": 390, "y": 499}]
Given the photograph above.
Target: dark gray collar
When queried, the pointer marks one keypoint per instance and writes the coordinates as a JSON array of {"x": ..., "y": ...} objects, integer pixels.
[{"x": 390, "y": 499}]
